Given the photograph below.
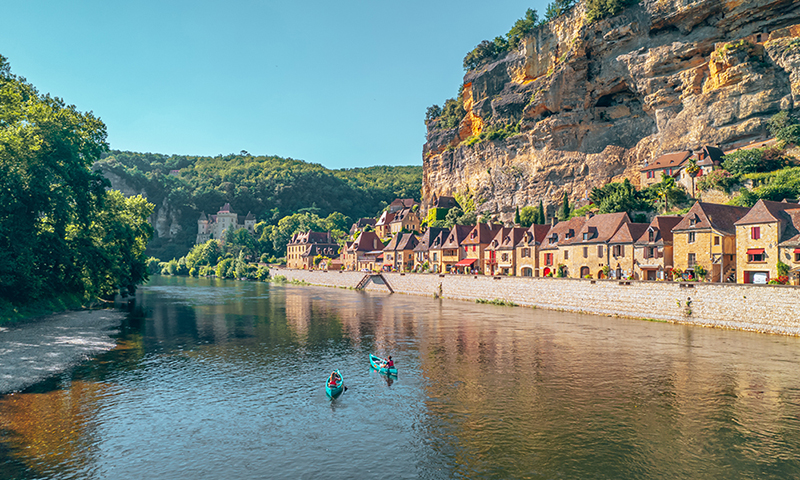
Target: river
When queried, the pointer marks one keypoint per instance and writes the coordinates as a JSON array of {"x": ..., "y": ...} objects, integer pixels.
[{"x": 225, "y": 379}]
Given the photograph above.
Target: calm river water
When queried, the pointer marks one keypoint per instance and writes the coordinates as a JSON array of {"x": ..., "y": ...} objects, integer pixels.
[{"x": 224, "y": 379}]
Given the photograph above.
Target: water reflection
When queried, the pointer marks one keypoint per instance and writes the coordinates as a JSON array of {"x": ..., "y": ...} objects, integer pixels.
[{"x": 214, "y": 375}]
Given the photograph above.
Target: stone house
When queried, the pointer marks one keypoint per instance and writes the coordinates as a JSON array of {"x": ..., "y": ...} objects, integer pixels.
[
  {"x": 526, "y": 251},
  {"x": 398, "y": 254},
  {"x": 405, "y": 220},
  {"x": 476, "y": 242},
  {"x": 451, "y": 250},
  {"x": 587, "y": 252},
  {"x": 759, "y": 236},
  {"x": 364, "y": 252},
  {"x": 789, "y": 248},
  {"x": 653, "y": 249},
  {"x": 401, "y": 203},
  {"x": 214, "y": 226},
  {"x": 304, "y": 246},
  {"x": 622, "y": 251},
  {"x": 669, "y": 164},
  {"x": 499, "y": 258},
  {"x": 382, "y": 226},
  {"x": 554, "y": 249},
  {"x": 423, "y": 253},
  {"x": 361, "y": 224},
  {"x": 707, "y": 236}
]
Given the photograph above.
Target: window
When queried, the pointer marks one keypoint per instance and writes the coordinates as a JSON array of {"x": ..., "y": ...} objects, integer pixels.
[
  {"x": 716, "y": 240},
  {"x": 755, "y": 233},
  {"x": 691, "y": 238},
  {"x": 692, "y": 260},
  {"x": 755, "y": 257},
  {"x": 599, "y": 251},
  {"x": 651, "y": 235},
  {"x": 797, "y": 257},
  {"x": 586, "y": 236},
  {"x": 505, "y": 257},
  {"x": 585, "y": 251},
  {"x": 548, "y": 258},
  {"x": 619, "y": 250},
  {"x": 526, "y": 252},
  {"x": 566, "y": 254}
]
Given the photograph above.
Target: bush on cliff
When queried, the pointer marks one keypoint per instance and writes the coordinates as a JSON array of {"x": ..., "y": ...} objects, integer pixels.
[{"x": 599, "y": 9}]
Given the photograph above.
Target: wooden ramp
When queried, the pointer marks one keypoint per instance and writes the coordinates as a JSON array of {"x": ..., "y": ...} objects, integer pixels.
[{"x": 375, "y": 278}]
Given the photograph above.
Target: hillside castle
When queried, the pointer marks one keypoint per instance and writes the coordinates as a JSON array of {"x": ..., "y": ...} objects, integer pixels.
[{"x": 214, "y": 226}]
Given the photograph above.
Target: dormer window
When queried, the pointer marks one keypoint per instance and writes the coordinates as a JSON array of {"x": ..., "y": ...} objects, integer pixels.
[
  {"x": 651, "y": 235},
  {"x": 585, "y": 237}
]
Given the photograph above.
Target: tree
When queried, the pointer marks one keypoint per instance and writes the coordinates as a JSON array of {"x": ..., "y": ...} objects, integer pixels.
[
  {"x": 692, "y": 170},
  {"x": 517, "y": 220},
  {"x": 785, "y": 127},
  {"x": 564, "y": 210},
  {"x": 541, "y": 219},
  {"x": 667, "y": 191},
  {"x": 557, "y": 8},
  {"x": 619, "y": 197},
  {"x": 522, "y": 28},
  {"x": 527, "y": 216}
]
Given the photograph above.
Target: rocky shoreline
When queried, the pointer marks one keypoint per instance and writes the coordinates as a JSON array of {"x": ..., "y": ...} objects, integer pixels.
[{"x": 33, "y": 351}]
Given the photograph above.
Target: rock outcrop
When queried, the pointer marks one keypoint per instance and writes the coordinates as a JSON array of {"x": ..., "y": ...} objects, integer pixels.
[{"x": 594, "y": 102}]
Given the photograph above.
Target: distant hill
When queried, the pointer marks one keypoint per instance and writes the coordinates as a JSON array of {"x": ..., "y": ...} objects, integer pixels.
[{"x": 270, "y": 187}]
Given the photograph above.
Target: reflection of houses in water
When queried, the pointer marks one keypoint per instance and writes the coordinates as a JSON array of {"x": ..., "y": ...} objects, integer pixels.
[{"x": 298, "y": 313}]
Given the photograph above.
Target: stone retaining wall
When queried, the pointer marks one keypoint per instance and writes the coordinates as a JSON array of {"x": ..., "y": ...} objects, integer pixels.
[{"x": 761, "y": 308}]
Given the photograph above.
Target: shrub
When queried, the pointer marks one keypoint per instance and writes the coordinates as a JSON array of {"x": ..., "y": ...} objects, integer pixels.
[
  {"x": 754, "y": 160},
  {"x": 721, "y": 180},
  {"x": 452, "y": 114},
  {"x": 598, "y": 9}
]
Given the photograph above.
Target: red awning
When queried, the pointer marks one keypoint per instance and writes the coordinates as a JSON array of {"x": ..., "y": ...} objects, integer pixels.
[
  {"x": 466, "y": 262},
  {"x": 797, "y": 250},
  {"x": 755, "y": 251}
]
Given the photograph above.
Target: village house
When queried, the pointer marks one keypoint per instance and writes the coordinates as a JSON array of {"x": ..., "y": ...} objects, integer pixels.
[
  {"x": 474, "y": 245},
  {"x": 398, "y": 255},
  {"x": 401, "y": 203},
  {"x": 361, "y": 224},
  {"x": 559, "y": 237},
  {"x": 760, "y": 236},
  {"x": 499, "y": 258},
  {"x": 586, "y": 252},
  {"x": 707, "y": 237},
  {"x": 304, "y": 246},
  {"x": 366, "y": 252},
  {"x": 405, "y": 220},
  {"x": 789, "y": 248},
  {"x": 214, "y": 226},
  {"x": 382, "y": 227},
  {"x": 452, "y": 249},
  {"x": 669, "y": 165},
  {"x": 422, "y": 252},
  {"x": 622, "y": 252},
  {"x": 526, "y": 251},
  {"x": 653, "y": 249}
]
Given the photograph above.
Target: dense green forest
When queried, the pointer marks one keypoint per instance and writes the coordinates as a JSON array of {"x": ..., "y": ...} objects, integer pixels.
[
  {"x": 272, "y": 188},
  {"x": 62, "y": 234}
]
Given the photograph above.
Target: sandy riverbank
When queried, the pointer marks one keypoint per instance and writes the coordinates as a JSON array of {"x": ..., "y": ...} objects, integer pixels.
[{"x": 32, "y": 351}]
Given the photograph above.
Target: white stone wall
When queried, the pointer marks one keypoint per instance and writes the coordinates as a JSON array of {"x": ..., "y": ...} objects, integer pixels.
[{"x": 760, "y": 308}]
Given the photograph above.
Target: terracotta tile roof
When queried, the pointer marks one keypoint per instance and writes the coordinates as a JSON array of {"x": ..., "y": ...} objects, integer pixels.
[
  {"x": 457, "y": 235},
  {"x": 674, "y": 159},
  {"x": 403, "y": 202},
  {"x": 711, "y": 215},
  {"x": 600, "y": 228},
  {"x": 497, "y": 240},
  {"x": 791, "y": 235},
  {"x": 749, "y": 146},
  {"x": 386, "y": 219},
  {"x": 310, "y": 237},
  {"x": 710, "y": 156},
  {"x": 482, "y": 234},
  {"x": 507, "y": 238},
  {"x": 534, "y": 235},
  {"x": 401, "y": 242},
  {"x": 401, "y": 215},
  {"x": 313, "y": 250},
  {"x": 766, "y": 211},
  {"x": 427, "y": 238},
  {"x": 662, "y": 226},
  {"x": 629, "y": 233},
  {"x": 366, "y": 242},
  {"x": 563, "y": 233}
]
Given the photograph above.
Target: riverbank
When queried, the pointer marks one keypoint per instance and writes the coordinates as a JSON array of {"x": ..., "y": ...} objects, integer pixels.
[
  {"x": 757, "y": 308},
  {"x": 32, "y": 351}
]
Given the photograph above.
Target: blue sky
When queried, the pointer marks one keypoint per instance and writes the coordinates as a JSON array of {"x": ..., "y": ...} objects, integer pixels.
[{"x": 344, "y": 84}]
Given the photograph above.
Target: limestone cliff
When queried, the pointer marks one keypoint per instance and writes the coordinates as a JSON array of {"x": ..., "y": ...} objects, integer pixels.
[{"x": 594, "y": 102}]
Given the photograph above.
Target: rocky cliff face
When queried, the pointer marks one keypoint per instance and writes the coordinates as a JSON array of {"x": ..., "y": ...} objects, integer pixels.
[
  {"x": 165, "y": 218},
  {"x": 594, "y": 102}
]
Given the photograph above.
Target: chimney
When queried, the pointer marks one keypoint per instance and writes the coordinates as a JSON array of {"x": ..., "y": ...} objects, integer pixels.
[
  {"x": 589, "y": 215},
  {"x": 553, "y": 221}
]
